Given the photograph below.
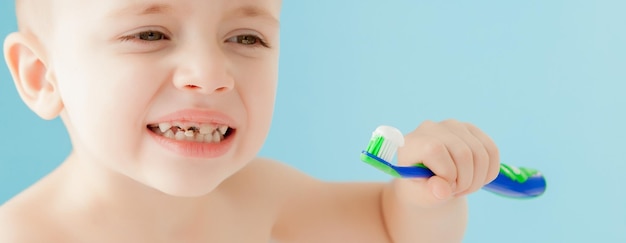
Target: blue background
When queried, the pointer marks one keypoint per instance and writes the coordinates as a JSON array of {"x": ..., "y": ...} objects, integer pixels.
[{"x": 546, "y": 79}]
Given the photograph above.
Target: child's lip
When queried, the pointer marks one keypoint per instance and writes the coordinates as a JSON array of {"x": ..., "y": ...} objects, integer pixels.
[
  {"x": 198, "y": 116},
  {"x": 196, "y": 149}
]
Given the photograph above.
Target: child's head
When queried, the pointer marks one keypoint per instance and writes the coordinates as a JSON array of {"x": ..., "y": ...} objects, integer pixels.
[{"x": 114, "y": 70}]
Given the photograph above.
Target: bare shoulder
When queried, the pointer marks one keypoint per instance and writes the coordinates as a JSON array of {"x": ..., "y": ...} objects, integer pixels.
[
  {"x": 27, "y": 217},
  {"x": 22, "y": 222},
  {"x": 310, "y": 210},
  {"x": 11, "y": 226}
]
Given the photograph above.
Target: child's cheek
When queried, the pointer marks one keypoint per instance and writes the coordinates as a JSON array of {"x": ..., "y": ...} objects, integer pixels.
[
  {"x": 105, "y": 103},
  {"x": 259, "y": 101}
]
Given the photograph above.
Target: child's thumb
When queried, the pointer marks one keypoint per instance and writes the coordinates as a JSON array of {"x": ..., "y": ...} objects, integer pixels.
[{"x": 439, "y": 188}]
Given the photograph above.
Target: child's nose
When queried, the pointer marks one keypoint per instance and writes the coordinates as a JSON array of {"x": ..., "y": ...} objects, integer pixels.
[{"x": 204, "y": 71}]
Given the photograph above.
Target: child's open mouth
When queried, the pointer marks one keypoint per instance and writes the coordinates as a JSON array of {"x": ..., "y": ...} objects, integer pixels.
[{"x": 201, "y": 133}]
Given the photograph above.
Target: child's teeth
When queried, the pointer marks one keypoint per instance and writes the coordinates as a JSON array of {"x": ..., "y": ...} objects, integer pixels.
[
  {"x": 222, "y": 129},
  {"x": 189, "y": 133},
  {"x": 164, "y": 126},
  {"x": 179, "y": 135},
  {"x": 201, "y": 133},
  {"x": 169, "y": 134},
  {"x": 216, "y": 137},
  {"x": 206, "y": 129},
  {"x": 199, "y": 138}
]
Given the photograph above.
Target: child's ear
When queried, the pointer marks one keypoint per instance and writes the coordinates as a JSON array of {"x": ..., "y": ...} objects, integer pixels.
[{"x": 34, "y": 82}]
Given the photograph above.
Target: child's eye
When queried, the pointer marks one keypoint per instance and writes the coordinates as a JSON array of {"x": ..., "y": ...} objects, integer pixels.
[
  {"x": 149, "y": 35},
  {"x": 248, "y": 40}
]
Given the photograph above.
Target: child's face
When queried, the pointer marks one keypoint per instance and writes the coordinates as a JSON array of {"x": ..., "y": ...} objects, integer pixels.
[{"x": 123, "y": 67}]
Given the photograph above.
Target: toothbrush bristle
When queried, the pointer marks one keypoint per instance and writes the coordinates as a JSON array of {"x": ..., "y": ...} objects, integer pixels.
[
  {"x": 385, "y": 142},
  {"x": 388, "y": 150}
]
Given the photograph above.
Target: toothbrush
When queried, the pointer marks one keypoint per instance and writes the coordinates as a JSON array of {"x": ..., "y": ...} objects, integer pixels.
[{"x": 511, "y": 182}]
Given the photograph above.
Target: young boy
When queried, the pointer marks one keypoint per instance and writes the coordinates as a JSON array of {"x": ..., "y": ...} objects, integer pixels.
[{"x": 167, "y": 104}]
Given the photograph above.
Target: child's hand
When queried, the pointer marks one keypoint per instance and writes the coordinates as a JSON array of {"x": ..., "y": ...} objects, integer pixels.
[{"x": 462, "y": 157}]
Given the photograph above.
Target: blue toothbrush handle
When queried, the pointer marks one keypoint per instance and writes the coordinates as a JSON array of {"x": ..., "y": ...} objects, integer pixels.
[
  {"x": 510, "y": 182},
  {"x": 533, "y": 186}
]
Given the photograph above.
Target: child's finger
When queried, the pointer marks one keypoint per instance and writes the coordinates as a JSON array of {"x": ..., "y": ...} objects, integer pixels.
[
  {"x": 480, "y": 157},
  {"x": 430, "y": 151},
  {"x": 462, "y": 156},
  {"x": 492, "y": 151},
  {"x": 440, "y": 189}
]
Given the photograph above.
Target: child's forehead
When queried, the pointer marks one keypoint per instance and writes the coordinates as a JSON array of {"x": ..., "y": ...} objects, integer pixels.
[{"x": 32, "y": 10}]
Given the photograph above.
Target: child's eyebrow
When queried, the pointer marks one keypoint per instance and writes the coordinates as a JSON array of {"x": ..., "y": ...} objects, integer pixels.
[
  {"x": 154, "y": 8},
  {"x": 141, "y": 9},
  {"x": 252, "y": 12}
]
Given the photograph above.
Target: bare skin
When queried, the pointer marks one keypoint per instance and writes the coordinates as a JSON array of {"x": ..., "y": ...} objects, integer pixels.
[
  {"x": 242, "y": 209},
  {"x": 265, "y": 200},
  {"x": 202, "y": 64}
]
